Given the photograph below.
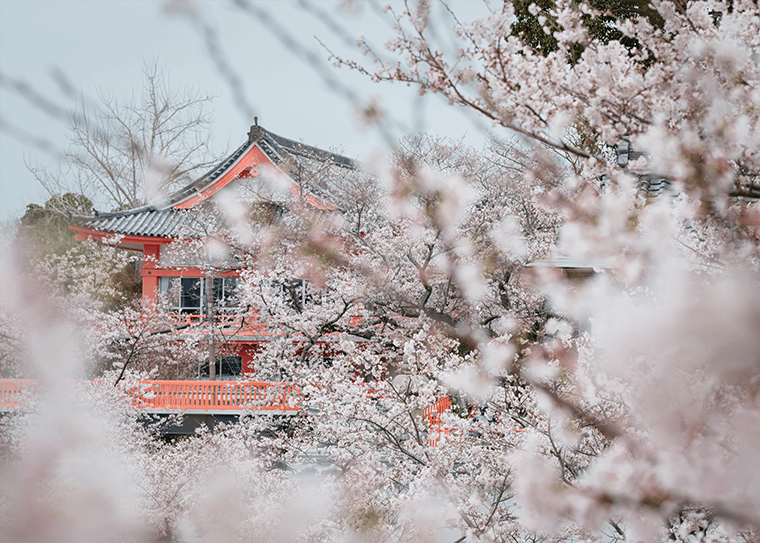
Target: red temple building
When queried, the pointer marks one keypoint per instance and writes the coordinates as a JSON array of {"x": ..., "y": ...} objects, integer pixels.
[{"x": 152, "y": 229}]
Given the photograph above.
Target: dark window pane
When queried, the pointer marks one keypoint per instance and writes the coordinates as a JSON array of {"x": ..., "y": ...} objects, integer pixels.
[
  {"x": 225, "y": 291},
  {"x": 190, "y": 295},
  {"x": 231, "y": 285},
  {"x": 170, "y": 290},
  {"x": 226, "y": 366},
  {"x": 231, "y": 365},
  {"x": 218, "y": 289}
]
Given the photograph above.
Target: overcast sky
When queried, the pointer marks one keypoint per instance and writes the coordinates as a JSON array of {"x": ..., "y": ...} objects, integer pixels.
[{"x": 100, "y": 46}]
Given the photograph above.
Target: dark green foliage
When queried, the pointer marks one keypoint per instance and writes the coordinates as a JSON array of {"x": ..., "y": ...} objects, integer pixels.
[
  {"x": 600, "y": 28},
  {"x": 44, "y": 233},
  {"x": 46, "y": 228},
  {"x": 529, "y": 30},
  {"x": 128, "y": 282}
]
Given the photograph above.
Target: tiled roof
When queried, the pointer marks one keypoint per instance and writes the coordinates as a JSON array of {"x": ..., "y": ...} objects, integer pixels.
[
  {"x": 649, "y": 185},
  {"x": 152, "y": 222},
  {"x": 162, "y": 220}
]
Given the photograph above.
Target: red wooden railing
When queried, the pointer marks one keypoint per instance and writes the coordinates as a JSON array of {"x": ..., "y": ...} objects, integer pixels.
[
  {"x": 250, "y": 324},
  {"x": 245, "y": 324},
  {"x": 188, "y": 396},
  {"x": 215, "y": 396},
  {"x": 433, "y": 413},
  {"x": 12, "y": 391},
  {"x": 229, "y": 324}
]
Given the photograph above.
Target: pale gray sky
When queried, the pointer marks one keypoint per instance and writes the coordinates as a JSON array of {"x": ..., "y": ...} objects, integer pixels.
[{"x": 101, "y": 46}]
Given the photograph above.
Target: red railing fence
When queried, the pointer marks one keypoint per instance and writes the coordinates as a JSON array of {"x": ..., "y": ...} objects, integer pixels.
[
  {"x": 12, "y": 391},
  {"x": 214, "y": 397},
  {"x": 433, "y": 414},
  {"x": 196, "y": 396}
]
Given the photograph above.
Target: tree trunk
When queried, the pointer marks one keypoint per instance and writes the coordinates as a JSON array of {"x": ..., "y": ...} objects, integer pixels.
[{"x": 210, "y": 322}]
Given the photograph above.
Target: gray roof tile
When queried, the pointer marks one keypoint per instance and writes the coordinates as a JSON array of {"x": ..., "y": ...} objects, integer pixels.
[{"x": 152, "y": 222}]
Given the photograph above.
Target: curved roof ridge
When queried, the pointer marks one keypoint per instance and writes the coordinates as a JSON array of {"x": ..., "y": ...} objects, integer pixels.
[
  {"x": 206, "y": 179},
  {"x": 309, "y": 151},
  {"x": 112, "y": 214},
  {"x": 274, "y": 145}
]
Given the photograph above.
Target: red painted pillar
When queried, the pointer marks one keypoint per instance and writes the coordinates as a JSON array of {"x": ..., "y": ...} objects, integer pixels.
[{"x": 149, "y": 278}]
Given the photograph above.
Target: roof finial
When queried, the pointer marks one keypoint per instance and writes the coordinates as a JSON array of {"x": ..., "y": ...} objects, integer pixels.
[{"x": 256, "y": 131}]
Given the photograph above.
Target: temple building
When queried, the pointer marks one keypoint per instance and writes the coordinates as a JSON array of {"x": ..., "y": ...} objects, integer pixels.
[{"x": 196, "y": 291}]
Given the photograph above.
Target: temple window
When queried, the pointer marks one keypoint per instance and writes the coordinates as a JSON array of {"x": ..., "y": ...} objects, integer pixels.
[{"x": 188, "y": 294}]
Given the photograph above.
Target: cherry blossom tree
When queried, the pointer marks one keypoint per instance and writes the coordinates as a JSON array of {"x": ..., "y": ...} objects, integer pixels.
[
  {"x": 620, "y": 408},
  {"x": 635, "y": 410},
  {"x": 522, "y": 344},
  {"x": 372, "y": 308}
]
